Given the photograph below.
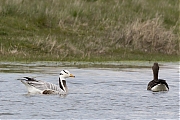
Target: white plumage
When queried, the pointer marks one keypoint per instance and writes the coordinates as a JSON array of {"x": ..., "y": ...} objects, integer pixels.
[
  {"x": 159, "y": 87},
  {"x": 38, "y": 86}
]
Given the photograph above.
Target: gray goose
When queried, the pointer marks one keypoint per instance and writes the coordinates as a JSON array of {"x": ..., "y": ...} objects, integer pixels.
[{"x": 38, "y": 86}]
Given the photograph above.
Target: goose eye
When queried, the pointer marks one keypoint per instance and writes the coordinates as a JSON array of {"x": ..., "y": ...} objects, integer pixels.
[{"x": 60, "y": 74}]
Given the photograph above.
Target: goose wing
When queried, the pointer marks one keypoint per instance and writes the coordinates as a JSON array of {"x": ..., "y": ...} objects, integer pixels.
[
  {"x": 156, "y": 82},
  {"x": 152, "y": 84},
  {"x": 163, "y": 82},
  {"x": 41, "y": 85}
]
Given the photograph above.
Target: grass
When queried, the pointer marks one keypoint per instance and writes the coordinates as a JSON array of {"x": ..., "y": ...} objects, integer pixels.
[{"x": 89, "y": 30}]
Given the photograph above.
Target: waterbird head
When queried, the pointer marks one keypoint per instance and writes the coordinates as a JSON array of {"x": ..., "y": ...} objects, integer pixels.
[
  {"x": 155, "y": 67},
  {"x": 65, "y": 74}
]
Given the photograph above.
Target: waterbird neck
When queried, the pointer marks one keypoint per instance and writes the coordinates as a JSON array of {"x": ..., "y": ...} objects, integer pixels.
[
  {"x": 155, "y": 72},
  {"x": 62, "y": 84}
]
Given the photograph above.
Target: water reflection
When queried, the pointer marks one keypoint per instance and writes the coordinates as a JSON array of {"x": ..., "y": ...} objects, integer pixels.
[{"x": 109, "y": 92}]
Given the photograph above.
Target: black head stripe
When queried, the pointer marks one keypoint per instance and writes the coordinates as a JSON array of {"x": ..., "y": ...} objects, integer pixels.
[{"x": 65, "y": 71}]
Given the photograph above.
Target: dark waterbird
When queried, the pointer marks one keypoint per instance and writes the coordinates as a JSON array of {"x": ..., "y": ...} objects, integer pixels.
[{"x": 156, "y": 84}]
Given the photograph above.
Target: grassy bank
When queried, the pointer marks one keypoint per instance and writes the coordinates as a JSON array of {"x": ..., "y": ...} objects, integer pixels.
[{"x": 89, "y": 30}]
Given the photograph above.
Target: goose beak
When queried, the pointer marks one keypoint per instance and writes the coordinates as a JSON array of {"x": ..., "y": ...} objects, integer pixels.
[{"x": 71, "y": 75}]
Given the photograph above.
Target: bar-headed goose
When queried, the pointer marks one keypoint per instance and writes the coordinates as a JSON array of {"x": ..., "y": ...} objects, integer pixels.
[
  {"x": 42, "y": 87},
  {"x": 156, "y": 84}
]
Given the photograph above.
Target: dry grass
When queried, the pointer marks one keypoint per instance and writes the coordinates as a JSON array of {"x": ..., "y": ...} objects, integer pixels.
[
  {"x": 51, "y": 46},
  {"x": 88, "y": 28},
  {"x": 149, "y": 36}
]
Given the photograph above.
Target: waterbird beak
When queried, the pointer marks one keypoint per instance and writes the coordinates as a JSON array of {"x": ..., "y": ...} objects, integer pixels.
[{"x": 71, "y": 75}]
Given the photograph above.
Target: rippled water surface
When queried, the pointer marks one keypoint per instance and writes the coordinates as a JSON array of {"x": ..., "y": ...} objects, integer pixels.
[{"x": 99, "y": 91}]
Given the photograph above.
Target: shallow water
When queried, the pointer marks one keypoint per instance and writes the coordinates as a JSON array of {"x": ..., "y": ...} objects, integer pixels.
[{"x": 99, "y": 91}]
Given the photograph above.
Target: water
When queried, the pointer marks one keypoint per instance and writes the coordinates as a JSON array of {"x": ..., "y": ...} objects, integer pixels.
[{"x": 99, "y": 91}]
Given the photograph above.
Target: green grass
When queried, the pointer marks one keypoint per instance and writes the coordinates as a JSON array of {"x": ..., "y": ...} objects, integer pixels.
[{"x": 89, "y": 30}]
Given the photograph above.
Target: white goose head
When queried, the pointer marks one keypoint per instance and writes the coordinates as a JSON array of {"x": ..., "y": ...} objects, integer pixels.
[{"x": 65, "y": 74}]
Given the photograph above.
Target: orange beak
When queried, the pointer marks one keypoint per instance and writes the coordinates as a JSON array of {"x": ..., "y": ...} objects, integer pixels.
[{"x": 71, "y": 75}]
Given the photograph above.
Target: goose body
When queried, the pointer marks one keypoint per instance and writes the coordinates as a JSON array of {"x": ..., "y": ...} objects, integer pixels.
[
  {"x": 38, "y": 86},
  {"x": 156, "y": 84}
]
